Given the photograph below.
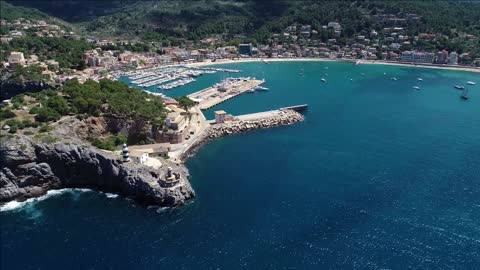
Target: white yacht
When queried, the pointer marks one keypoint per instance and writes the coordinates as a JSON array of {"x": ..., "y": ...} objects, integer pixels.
[
  {"x": 471, "y": 83},
  {"x": 416, "y": 87},
  {"x": 419, "y": 79},
  {"x": 323, "y": 80},
  {"x": 394, "y": 79}
]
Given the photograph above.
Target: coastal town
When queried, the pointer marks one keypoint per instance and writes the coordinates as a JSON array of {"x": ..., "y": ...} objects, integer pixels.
[
  {"x": 239, "y": 134},
  {"x": 389, "y": 43},
  {"x": 170, "y": 67}
]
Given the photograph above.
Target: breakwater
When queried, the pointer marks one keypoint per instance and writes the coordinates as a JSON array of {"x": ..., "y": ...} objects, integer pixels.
[
  {"x": 283, "y": 117},
  {"x": 278, "y": 118}
]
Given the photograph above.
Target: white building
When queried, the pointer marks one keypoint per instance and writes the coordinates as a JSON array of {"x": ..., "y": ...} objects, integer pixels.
[
  {"x": 220, "y": 116},
  {"x": 335, "y": 25},
  {"x": 453, "y": 60},
  {"x": 15, "y": 59},
  {"x": 140, "y": 157},
  {"x": 417, "y": 57}
]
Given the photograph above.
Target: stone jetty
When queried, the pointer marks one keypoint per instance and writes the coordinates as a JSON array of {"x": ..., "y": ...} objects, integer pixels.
[{"x": 283, "y": 117}]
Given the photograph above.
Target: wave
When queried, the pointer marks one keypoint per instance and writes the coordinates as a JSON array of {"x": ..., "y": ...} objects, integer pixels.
[
  {"x": 14, "y": 205},
  {"x": 111, "y": 195}
]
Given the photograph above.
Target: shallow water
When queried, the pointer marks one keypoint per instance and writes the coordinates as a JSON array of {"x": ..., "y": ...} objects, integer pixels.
[{"x": 379, "y": 176}]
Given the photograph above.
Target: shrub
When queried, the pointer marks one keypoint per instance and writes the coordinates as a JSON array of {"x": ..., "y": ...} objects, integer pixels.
[
  {"x": 34, "y": 110},
  {"x": 18, "y": 100},
  {"x": 44, "y": 128},
  {"x": 58, "y": 104},
  {"x": 109, "y": 143},
  {"x": 46, "y": 115},
  {"x": 12, "y": 122},
  {"x": 13, "y": 129},
  {"x": 6, "y": 114},
  {"x": 28, "y": 132}
]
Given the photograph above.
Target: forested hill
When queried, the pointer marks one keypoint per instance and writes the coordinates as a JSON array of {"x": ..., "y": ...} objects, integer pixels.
[
  {"x": 173, "y": 21},
  {"x": 196, "y": 19}
]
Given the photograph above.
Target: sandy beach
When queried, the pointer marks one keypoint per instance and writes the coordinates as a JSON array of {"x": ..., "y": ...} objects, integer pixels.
[{"x": 268, "y": 60}]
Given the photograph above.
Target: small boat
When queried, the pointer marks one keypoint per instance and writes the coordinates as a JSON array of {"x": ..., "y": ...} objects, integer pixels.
[
  {"x": 250, "y": 90},
  {"x": 394, "y": 79},
  {"x": 323, "y": 80},
  {"x": 363, "y": 74},
  {"x": 471, "y": 83},
  {"x": 419, "y": 79},
  {"x": 351, "y": 79},
  {"x": 384, "y": 73},
  {"x": 464, "y": 95},
  {"x": 357, "y": 63},
  {"x": 416, "y": 87},
  {"x": 459, "y": 87}
]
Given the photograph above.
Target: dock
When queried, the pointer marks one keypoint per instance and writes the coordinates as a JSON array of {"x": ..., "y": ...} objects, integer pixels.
[{"x": 212, "y": 96}]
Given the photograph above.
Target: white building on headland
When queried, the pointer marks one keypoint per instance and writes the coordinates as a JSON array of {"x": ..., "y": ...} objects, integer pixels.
[{"x": 140, "y": 157}]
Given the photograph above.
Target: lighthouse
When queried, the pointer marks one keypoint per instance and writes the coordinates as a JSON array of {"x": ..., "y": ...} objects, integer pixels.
[{"x": 125, "y": 155}]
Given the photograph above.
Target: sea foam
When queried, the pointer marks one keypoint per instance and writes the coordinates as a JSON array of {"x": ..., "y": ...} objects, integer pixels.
[{"x": 13, "y": 205}]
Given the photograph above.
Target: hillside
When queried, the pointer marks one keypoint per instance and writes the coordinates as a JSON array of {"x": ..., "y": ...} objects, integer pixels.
[
  {"x": 10, "y": 12},
  {"x": 456, "y": 24},
  {"x": 197, "y": 19}
]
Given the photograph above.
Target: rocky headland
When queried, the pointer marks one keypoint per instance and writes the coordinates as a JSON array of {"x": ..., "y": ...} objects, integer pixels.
[{"x": 31, "y": 167}]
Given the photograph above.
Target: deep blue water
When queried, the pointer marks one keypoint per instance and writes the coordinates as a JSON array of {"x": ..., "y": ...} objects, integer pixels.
[{"x": 379, "y": 176}]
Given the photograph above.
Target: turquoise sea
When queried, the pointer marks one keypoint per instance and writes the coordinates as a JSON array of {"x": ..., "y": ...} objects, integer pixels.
[{"x": 379, "y": 176}]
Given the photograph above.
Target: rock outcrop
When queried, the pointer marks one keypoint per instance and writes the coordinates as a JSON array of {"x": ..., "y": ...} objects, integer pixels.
[
  {"x": 11, "y": 88},
  {"x": 30, "y": 169}
]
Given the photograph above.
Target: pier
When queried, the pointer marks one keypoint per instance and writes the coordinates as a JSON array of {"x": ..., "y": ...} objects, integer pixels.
[
  {"x": 212, "y": 96},
  {"x": 297, "y": 108}
]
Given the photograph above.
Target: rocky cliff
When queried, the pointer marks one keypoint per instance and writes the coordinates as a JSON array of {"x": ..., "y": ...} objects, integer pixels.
[
  {"x": 11, "y": 89},
  {"x": 29, "y": 169}
]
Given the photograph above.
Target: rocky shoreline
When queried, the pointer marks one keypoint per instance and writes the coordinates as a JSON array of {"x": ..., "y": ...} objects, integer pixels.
[
  {"x": 30, "y": 169},
  {"x": 284, "y": 117}
]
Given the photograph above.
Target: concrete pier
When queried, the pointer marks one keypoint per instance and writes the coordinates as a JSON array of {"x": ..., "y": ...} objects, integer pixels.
[
  {"x": 213, "y": 96},
  {"x": 297, "y": 108}
]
